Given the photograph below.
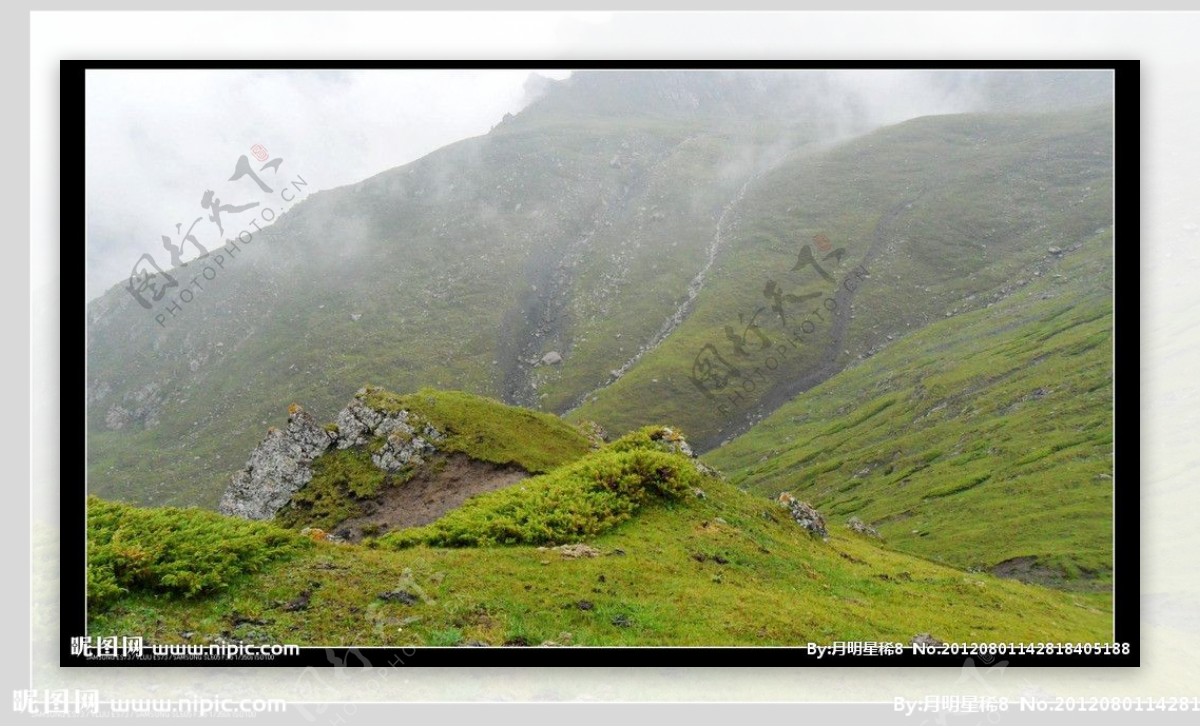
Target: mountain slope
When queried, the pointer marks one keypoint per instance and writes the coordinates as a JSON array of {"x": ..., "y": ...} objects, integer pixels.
[
  {"x": 616, "y": 210},
  {"x": 461, "y": 270},
  {"x": 934, "y": 217},
  {"x": 984, "y": 441}
]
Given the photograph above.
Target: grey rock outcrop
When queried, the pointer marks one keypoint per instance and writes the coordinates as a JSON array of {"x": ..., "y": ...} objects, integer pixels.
[
  {"x": 142, "y": 406},
  {"x": 356, "y": 423},
  {"x": 277, "y": 468},
  {"x": 282, "y": 464},
  {"x": 805, "y": 515},
  {"x": 405, "y": 447},
  {"x": 118, "y": 417}
]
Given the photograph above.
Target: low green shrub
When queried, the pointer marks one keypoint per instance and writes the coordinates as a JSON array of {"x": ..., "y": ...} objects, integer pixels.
[
  {"x": 576, "y": 501},
  {"x": 179, "y": 552},
  {"x": 663, "y": 439}
]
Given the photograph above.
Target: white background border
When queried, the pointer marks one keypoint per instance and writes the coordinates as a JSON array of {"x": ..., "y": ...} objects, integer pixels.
[{"x": 1170, "y": 306}]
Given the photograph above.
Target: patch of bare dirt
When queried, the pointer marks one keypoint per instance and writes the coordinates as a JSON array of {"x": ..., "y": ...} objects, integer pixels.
[
  {"x": 1027, "y": 569},
  {"x": 436, "y": 488}
]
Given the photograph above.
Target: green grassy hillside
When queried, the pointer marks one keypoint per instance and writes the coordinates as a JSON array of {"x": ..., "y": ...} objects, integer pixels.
[
  {"x": 690, "y": 560},
  {"x": 980, "y": 439},
  {"x": 943, "y": 213}
]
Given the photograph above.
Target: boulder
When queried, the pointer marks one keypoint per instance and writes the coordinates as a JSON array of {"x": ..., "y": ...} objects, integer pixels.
[
  {"x": 551, "y": 359},
  {"x": 805, "y": 515}
]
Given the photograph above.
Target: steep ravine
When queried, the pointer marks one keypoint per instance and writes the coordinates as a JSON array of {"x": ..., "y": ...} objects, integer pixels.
[
  {"x": 673, "y": 321},
  {"x": 830, "y": 361},
  {"x": 541, "y": 317}
]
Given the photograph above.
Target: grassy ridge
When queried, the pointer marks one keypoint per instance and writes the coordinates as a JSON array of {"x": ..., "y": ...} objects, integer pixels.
[
  {"x": 487, "y": 430},
  {"x": 573, "y": 502}
]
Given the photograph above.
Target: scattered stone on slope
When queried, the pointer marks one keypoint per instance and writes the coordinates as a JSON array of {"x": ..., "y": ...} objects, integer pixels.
[
  {"x": 673, "y": 441},
  {"x": 300, "y": 603},
  {"x": 925, "y": 640},
  {"x": 805, "y": 515},
  {"x": 551, "y": 359},
  {"x": 577, "y": 550},
  {"x": 595, "y": 434},
  {"x": 858, "y": 526},
  {"x": 277, "y": 468},
  {"x": 564, "y": 639}
]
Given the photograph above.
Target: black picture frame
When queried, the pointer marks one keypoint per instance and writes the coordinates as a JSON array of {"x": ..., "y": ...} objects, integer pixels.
[{"x": 1126, "y": 496}]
